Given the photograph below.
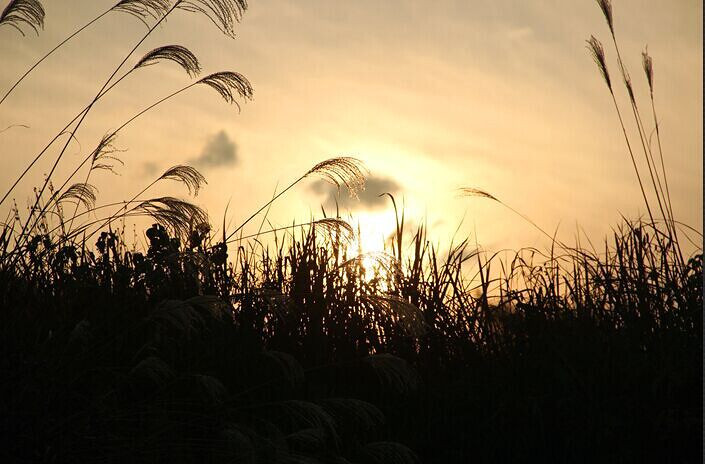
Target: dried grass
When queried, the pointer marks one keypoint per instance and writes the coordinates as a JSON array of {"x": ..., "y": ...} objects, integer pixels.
[{"x": 19, "y": 13}]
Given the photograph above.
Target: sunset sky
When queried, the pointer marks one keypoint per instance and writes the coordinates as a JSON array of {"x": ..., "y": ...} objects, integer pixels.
[{"x": 500, "y": 95}]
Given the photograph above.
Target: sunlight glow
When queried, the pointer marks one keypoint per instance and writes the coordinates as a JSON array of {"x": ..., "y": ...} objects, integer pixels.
[{"x": 373, "y": 231}]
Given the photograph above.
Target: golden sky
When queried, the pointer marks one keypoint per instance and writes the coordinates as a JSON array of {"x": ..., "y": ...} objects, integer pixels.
[{"x": 494, "y": 94}]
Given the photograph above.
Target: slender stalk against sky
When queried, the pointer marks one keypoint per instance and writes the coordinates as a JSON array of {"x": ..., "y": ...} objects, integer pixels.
[{"x": 502, "y": 90}]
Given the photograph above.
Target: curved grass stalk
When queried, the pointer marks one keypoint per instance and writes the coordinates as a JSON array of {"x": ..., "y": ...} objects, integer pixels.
[
  {"x": 87, "y": 111},
  {"x": 469, "y": 191},
  {"x": 175, "y": 53},
  {"x": 113, "y": 133},
  {"x": 51, "y": 52},
  {"x": 72, "y": 234},
  {"x": 326, "y": 223},
  {"x": 138, "y": 8},
  {"x": 606, "y": 7},
  {"x": 51, "y": 142},
  {"x": 240, "y": 86},
  {"x": 224, "y": 83},
  {"x": 646, "y": 147},
  {"x": 598, "y": 54},
  {"x": 649, "y": 71},
  {"x": 92, "y": 210},
  {"x": 339, "y": 171},
  {"x": 169, "y": 174}
]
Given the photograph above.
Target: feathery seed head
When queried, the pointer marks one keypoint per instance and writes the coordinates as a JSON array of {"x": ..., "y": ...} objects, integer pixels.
[
  {"x": 606, "y": 7},
  {"x": 597, "y": 52},
  {"x": 339, "y": 227},
  {"x": 104, "y": 146},
  {"x": 222, "y": 13},
  {"x": 143, "y": 9},
  {"x": 174, "y": 213},
  {"x": 229, "y": 85},
  {"x": 81, "y": 193},
  {"x": 346, "y": 171},
  {"x": 187, "y": 175},
  {"x": 176, "y": 53},
  {"x": 473, "y": 192},
  {"x": 648, "y": 64},
  {"x": 23, "y": 12},
  {"x": 628, "y": 84},
  {"x": 103, "y": 156}
]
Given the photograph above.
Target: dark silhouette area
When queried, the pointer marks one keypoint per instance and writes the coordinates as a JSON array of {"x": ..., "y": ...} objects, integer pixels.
[
  {"x": 172, "y": 356},
  {"x": 289, "y": 346}
]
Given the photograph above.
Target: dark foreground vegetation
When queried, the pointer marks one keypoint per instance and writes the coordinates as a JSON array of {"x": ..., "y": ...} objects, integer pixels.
[
  {"x": 218, "y": 348},
  {"x": 172, "y": 356}
]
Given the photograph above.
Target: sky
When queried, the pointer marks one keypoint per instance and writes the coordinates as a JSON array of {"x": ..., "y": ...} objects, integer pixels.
[{"x": 499, "y": 95}]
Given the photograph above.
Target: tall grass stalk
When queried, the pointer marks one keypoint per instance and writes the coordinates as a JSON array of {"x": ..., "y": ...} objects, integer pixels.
[
  {"x": 661, "y": 196},
  {"x": 83, "y": 116}
]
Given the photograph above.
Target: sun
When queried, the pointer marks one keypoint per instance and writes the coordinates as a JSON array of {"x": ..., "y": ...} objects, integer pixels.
[{"x": 373, "y": 230}]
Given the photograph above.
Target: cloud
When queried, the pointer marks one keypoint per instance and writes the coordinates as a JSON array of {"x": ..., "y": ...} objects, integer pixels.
[
  {"x": 367, "y": 199},
  {"x": 219, "y": 151}
]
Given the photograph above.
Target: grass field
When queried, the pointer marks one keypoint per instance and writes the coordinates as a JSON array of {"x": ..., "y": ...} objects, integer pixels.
[{"x": 291, "y": 346}]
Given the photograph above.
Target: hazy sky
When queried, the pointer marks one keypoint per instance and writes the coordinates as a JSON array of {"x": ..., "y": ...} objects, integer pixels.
[{"x": 494, "y": 94}]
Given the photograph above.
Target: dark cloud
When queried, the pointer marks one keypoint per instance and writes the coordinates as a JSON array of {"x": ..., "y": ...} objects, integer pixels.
[
  {"x": 219, "y": 151},
  {"x": 367, "y": 199}
]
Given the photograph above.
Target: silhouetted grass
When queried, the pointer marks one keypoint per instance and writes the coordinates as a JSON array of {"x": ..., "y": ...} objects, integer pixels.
[
  {"x": 117, "y": 353},
  {"x": 227, "y": 348}
]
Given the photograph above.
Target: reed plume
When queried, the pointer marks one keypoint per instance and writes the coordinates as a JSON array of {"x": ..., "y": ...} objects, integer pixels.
[
  {"x": 343, "y": 171},
  {"x": 143, "y": 9},
  {"x": 597, "y": 51},
  {"x": 103, "y": 156},
  {"x": 224, "y": 14},
  {"x": 658, "y": 188},
  {"x": 102, "y": 159},
  {"x": 105, "y": 147},
  {"x": 182, "y": 56},
  {"x": 338, "y": 228},
  {"x": 187, "y": 175},
  {"x": 648, "y": 65},
  {"x": 174, "y": 213},
  {"x": 339, "y": 171},
  {"x": 19, "y": 13},
  {"x": 474, "y": 192},
  {"x": 408, "y": 316},
  {"x": 383, "y": 260},
  {"x": 229, "y": 85},
  {"x": 606, "y": 7},
  {"x": 81, "y": 193}
]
